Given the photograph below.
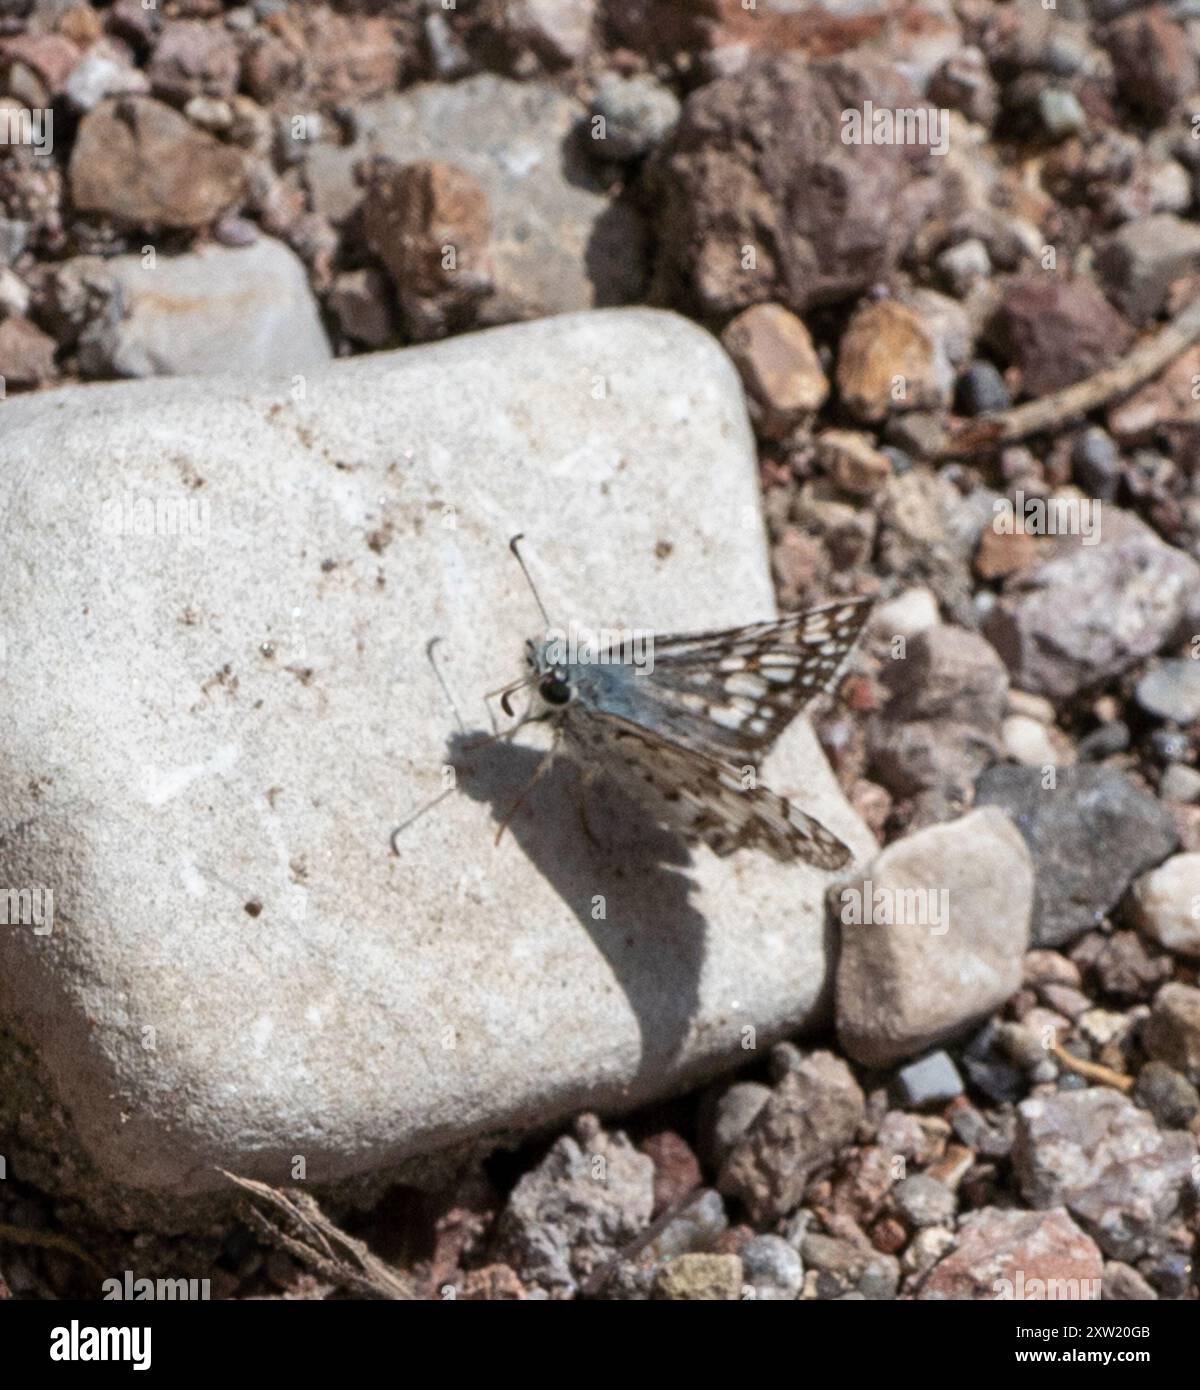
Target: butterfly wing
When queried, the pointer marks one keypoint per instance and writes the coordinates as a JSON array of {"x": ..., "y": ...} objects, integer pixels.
[
  {"x": 699, "y": 795},
  {"x": 732, "y": 693}
]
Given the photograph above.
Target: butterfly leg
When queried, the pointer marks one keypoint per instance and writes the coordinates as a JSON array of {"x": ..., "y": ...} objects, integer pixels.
[
  {"x": 416, "y": 815},
  {"x": 586, "y": 778},
  {"x": 538, "y": 773}
]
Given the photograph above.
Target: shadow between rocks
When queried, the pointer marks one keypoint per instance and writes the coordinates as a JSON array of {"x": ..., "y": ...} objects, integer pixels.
[{"x": 651, "y": 935}]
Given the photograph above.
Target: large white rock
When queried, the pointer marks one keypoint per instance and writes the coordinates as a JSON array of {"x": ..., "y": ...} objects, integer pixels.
[{"x": 211, "y": 737}]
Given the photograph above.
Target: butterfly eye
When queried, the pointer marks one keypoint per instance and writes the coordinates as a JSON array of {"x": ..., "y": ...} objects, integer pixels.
[{"x": 555, "y": 691}]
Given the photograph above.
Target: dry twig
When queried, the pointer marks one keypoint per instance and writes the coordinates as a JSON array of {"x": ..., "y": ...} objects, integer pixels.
[
  {"x": 309, "y": 1236},
  {"x": 1092, "y": 1070},
  {"x": 1073, "y": 402}
]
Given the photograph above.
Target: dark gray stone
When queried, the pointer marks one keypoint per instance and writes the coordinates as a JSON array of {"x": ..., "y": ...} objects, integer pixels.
[
  {"x": 981, "y": 388},
  {"x": 1090, "y": 836}
]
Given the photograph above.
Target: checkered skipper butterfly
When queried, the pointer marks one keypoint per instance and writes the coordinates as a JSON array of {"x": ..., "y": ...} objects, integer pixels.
[{"x": 685, "y": 739}]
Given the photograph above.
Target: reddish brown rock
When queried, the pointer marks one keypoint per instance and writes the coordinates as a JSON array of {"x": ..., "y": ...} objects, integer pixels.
[
  {"x": 759, "y": 199},
  {"x": 1001, "y": 553},
  {"x": 271, "y": 69},
  {"x": 1058, "y": 331},
  {"x": 351, "y": 57},
  {"x": 49, "y": 56},
  {"x": 676, "y": 1168},
  {"x": 815, "y": 28},
  {"x": 1017, "y": 1255},
  {"x": 491, "y": 1284},
  {"x": 1153, "y": 60},
  {"x": 853, "y": 462},
  {"x": 142, "y": 163},
  {"x": 430, "y": 225},
  {"x": 330, "y": 58}
]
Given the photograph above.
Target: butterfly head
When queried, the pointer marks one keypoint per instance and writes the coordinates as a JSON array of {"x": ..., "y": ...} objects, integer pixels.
[{"x": 553, "y": 680}]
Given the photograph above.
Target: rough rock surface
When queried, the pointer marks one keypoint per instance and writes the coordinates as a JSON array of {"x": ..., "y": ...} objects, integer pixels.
[
  {"x": 557, "y": 241},
  {"x": 1095, "y": 1153},
  {"x": 590, "y": 1195},
  {"x": 738, "y": 221},
  {"x": 140, "y": 162},
  {"x": 1017, "y": 1254},
  {"x": 1090, "y": 611},
  {"x": 941, "y": 727},
  {"x": 1090, "y": 834},
  {"x": 1172, "y": 1032},
  {"x": 812, "y": 1112}
]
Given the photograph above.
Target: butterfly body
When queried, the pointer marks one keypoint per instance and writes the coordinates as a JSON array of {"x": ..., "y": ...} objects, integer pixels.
[{"x": 683, "y": 733}]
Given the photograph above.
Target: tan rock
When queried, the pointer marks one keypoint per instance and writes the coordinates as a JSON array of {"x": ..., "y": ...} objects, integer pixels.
[
  {"x": 853, "y": 461},
  {"x": 702, "y": 1277},
  {"x": 140, "y": 162},
  {"x": 772, "y": 350},
  {"x": 888, "y": 361}
]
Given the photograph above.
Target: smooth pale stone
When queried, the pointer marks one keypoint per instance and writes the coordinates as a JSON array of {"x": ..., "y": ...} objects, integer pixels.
[
  {"x": 1028, "y": 741},
  {"x": 910, "y": 612},
  {"x": 216, "y": 309},
  {"x": 173, "y": 779},
  {"x": 933, "y": 936},
  {"x": 1164, "y": 904}
]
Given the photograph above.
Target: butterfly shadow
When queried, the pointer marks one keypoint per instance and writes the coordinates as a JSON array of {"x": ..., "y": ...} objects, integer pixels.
[{"x": 629, "y": 888}]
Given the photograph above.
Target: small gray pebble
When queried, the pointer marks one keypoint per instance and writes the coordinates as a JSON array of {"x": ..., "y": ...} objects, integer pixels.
[
  {"x": 772, "y": 1267},
  {"x": 1096, "y": 464},
  {"x": 1103, "y": 742},
  {"x": 1171, "y": 690},
  {"x": 1180, "y": 783},
  {"x": 1168, "y": 1095},
  {"x": 901, "y": 461},
  {"x": 1060, "y": 112},
  {"x": 930, "y": 1081},
  {"x": 923, "y": 1201},
  {"x": 981, "y": 389},
  {"x": 638, "y": 113},
  {"x": 1168, "y": 746},
  {"x": 733, "y": 1113},
  {"x": 1170, "y": 1271}
]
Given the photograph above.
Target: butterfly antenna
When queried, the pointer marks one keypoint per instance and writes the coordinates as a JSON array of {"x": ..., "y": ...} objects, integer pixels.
[
  {"x": 512, "y": 545},
  {"x": 441, "y": 680}
]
